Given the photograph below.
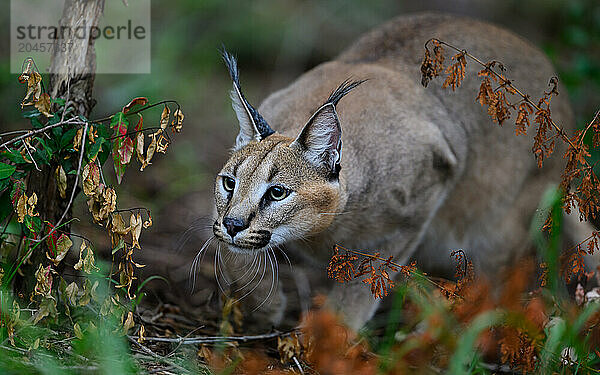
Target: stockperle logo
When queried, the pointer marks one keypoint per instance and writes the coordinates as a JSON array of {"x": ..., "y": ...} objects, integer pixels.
[
  {"x": 121, "y": 38},
  {"x": 37, "y": 32}
]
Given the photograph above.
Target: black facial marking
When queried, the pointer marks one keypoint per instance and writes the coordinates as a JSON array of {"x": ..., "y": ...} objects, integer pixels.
[
  {"x": 235, "y": 168},
  {"x": 258, "y": 239},
  {"x": 264, "y": 202},
  {"x": 335, "y": 174},
  {"x": 264, "y": 157},
  {"x": 274, "y": 171}
]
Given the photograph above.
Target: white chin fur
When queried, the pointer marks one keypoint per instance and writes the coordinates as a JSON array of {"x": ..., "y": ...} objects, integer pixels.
[{"x": 243, "y": 250}]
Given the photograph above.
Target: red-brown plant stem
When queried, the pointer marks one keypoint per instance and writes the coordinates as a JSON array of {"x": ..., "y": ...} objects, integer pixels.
[{"x": 376, "y": 257}]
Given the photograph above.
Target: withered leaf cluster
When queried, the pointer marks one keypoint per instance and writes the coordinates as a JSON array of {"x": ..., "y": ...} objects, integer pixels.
[
  {"x": 34, "y": 94},
  {"x": 433, "y": 64},
  {"x": 378, "y": 272},
  {"x": 579, "y": 184}
]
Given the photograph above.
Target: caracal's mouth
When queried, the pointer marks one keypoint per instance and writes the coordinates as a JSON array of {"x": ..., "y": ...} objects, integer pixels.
[
  {"x": 245, "y": 250},
  {"x": 240, "y": 248}
]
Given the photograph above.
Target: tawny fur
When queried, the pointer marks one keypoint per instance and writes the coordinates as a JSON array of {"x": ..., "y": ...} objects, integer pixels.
[{"x": 424, "y": 171}]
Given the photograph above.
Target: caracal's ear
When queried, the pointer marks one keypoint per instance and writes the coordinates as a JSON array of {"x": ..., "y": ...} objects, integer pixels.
[
  {"x": 252, "y": 125},
  {"x": 321, "y": 138}
]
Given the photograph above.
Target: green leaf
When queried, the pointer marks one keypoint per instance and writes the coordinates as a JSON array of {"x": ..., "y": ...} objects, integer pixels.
[
  {"x": 31, "y": 114},
  {"x": 5, "y": 206},
  {"x": 103, "y": 130},
  {"x": 36, "y": 123},
  {"x": 14, "y": 156},
  {"x": 119, "y": 123},
  {"x": 95, "y": 149},
  {"x": 6, "y": 170},
  {"x": 119, "y": 246},
  {"x": 47, "y": 146},
  {"x": 4, "y": 184},
  {"x": 57, "y": 131},
  {"x": 17, "y": 190},
  {"x": 554, "y": 338},
  {"x": 67, "y": 138},
  {"x": 117, "y": 162},
  {"x": 33, "y": 223},
  {"x": 465, "y": 345},
  {"x": 41, "y": 157}
]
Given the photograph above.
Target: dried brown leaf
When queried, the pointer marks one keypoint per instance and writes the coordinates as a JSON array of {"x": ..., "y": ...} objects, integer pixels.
[{"x": 61, "y": 181}]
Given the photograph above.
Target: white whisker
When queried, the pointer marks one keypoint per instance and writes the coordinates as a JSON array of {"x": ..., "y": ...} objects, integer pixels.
[
  {"x": 273, "y": 278},
  {"x": 259, "y": 281},
  {"x": 197, "y": 226},
  {"x": 276, "y": 268},
  {"x": 215, "y": 267},
  {"x": 220, "y": 267},
  {"x": 196, "y": 262},
  {"x": 255, "y": 274},
  {"x": 278, "y": 247},
  {"x": 247, "y": 270}
]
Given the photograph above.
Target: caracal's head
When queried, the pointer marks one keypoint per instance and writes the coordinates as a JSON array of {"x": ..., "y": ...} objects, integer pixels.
[{"x": 275, "y": 189}]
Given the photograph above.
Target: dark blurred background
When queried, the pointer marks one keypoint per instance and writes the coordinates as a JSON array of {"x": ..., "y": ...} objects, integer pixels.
[{"x": 275, "y": 41}]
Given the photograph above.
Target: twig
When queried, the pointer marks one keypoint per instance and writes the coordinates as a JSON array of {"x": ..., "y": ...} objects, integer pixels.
[
  {"x": 132, "y": 209},
  {"x": 215, "y": 339},
  {"x": 156, "y": 356},
  {"x": 298, "y": 365},
  {"x": 13, "y": 132},
  {"x": 100, "y": 170},
  {"x": 590, "y": 124},
  {"x": 162, "y": 370},
  {"x": 139, "y": 131},
  {"x": 42, "y": 130},
  {"x": 140, "y": 110},
  {"x": 186, "y": 336},
  {"x": 31, "y": 156}
]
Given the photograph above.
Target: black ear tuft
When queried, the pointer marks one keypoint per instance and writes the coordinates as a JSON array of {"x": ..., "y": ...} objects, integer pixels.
[
  {"x": 259, "y": 124},
  {"x": 343, "y": 89},
  {"x": 231, "y": 64}
]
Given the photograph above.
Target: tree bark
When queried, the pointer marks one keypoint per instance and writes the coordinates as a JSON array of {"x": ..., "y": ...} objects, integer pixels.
[{"x": 72, "y": 70}]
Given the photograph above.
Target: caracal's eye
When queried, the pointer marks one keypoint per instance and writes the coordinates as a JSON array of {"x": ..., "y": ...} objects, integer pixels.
[
  {"x": 228, "y": 184},
  {"x": 277, "y": 193}
]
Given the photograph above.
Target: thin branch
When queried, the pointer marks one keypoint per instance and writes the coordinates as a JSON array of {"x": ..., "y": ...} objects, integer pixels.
[
  {"x": 590, "y": 124},
  {"x": 13, "y": 132},
  {"x": 103, "y": 119},
  {"x": 132, "y": 209},
  {"x": 31, "y": 156},
  {"x": 139, "y": 131},
  {"x": 216, "y": 339},
  {"x": 100, "y": 170},
  {"x": 33, "y": 132},
  {"x": 156, "y": 356}
]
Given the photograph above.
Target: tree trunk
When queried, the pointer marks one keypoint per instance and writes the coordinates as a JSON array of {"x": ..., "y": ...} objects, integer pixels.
[{"x": 73, "y": 70}]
